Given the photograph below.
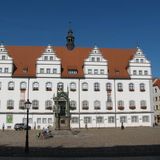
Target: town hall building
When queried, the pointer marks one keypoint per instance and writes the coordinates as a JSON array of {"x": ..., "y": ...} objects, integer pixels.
[{"x": 72, "y": 87}]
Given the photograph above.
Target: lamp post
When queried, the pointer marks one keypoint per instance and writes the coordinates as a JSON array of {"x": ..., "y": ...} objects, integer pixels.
[{"x": 27, "y": 106}]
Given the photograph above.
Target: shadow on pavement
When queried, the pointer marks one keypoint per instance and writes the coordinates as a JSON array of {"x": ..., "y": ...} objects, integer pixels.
[{"x": 139, "y": 150}]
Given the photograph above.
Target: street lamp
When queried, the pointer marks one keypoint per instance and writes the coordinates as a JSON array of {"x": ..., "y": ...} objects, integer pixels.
[{"x": 27, "y": 106}]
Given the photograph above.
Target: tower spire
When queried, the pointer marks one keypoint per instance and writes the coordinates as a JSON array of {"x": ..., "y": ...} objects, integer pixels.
[{"x": 70, "y": 38}]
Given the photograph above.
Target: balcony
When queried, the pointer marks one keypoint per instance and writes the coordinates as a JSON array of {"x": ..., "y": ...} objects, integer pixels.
[
  {"x": 49, "y": 108},
  {"x": 10, "y": 107},
  {"x": 21, "y": 107},
  {"x": 121, "y": 107},
  {"x": 143, "y": 107},
  {"x": 109, "y": 108},
  {"x": 48, "y": 89},
  {"x": 132, "y": 107},
  {"x": 120, "y": 90}
]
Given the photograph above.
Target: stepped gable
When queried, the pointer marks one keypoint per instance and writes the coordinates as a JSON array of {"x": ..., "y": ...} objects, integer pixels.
[{"x": 26, "y": 56}]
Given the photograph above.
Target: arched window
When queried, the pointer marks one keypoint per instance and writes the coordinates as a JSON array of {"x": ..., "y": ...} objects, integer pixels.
[
  {"x": 120, "y": 105},
  {"x": 10, "y": 104},
  {"x": 96, "y": 86},
  {"x": 72, "y": 86},
  {"x": 21, "y": 104},
  {"x": 120, "y": 87},
  {"x": 35, "y": 104},
  {"x": 131, "y": 87},
  {"x": 85, "y": 105},
  {"x": 132, "y": 104},
  {"x": 85, "y": 86},
  {"x": 60, "y": 87},
  {"x": 11, "y": 85},
  {"x": 143, "y": 104},
  {"x": 108, "y": 87},
  {"x": 35, "y": 86},
  {"x": 48, "y": 86},
  {"x": 73, "y": 105},
  {"x": 23, "y": 86},
  {"x": 142, "y": 87},
  {"x": 48, "y": 105},
  {"x": 97, "y": 105}
]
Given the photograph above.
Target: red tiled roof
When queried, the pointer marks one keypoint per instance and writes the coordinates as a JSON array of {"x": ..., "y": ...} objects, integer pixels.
[
  {"x": 26, "y": 56},
  {"x": 157, "y": 83}
]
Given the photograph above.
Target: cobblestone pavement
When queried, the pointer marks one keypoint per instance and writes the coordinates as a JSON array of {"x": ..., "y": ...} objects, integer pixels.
[{"x": 85, "y": 140}]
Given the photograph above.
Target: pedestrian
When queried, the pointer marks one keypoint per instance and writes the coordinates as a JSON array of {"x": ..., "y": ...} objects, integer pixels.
[
  {"x": 122, "y": 126},
  {"x": 3, "y": 127}
]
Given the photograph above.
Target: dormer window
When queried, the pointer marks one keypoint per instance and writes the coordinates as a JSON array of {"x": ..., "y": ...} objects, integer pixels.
[
  {"x": 137, "y": 60},
  {"x": 72, "y": 71},
  {"x": 141, "y": 60}
]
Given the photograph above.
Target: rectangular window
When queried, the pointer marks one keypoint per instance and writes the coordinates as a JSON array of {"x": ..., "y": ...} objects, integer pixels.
[
  {"x": 44, "y": 120},
  {"x": 74, "y": 119},
  {"x": 51, "y": 58},
  {"x": 48, "y": 70},
  {"x": 9, "y": 118},
  {"x": 100, "y": 119},
  {"x": 145, "y": 72},
  {"x": 111, "y": 119},
  {"x": 5, "y": 70},
  {"x": 140, "y": 72},
  {"x": 54, "y": 70},
  {"x": 134, "y": 119},
  {"x": 3, "y": 57},
  {"x": 134, "y": 72},
  {"x": 89, "y": 71},
  {"x": 123, "y": 119},
  {"x": 102, "y": 71},
  {"x": 38, "y": 120},
  {"x": 145, "y": 119},
  {"x": 41, "y": 70},
  {"x": 46, "y": 58},
  {"x": 49, "y": 120},
  {"x": 96, "y": 71},
  {"x": 87, "y": 120},
  {"x": 0, "y": 70}
]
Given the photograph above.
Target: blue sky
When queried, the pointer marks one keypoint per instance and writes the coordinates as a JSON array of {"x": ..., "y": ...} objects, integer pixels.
[{"x": 106, "y": 23}]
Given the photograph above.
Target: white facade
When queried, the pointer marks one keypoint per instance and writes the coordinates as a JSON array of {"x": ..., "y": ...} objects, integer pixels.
[{"x": 97, "y": 101}]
